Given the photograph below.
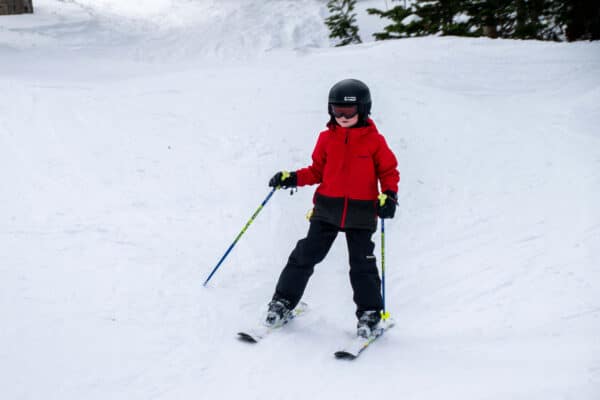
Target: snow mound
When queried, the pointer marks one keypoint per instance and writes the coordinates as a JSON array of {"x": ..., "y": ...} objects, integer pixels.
[{"x": 169, "y": 29}]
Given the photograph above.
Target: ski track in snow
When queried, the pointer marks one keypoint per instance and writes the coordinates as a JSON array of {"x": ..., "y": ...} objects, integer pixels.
[{"x": 134, "y": 147}]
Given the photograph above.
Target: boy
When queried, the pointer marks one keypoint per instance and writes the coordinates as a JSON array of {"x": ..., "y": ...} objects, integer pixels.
[{"x": 350, "y": 159}]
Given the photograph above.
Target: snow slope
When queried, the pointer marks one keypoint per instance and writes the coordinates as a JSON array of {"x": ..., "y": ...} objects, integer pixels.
[{"x": 134, "y": 147}]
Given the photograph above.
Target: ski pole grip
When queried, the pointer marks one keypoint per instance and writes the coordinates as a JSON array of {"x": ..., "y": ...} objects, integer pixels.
[{"x": 382, "y": 198}]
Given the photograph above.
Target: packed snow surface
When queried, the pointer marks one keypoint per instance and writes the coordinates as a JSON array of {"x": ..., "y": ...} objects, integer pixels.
[{"x": 137, "y": 139}]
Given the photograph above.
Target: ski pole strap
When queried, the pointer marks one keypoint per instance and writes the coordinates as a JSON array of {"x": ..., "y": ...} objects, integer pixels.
[{"x": 239, "y": 235}]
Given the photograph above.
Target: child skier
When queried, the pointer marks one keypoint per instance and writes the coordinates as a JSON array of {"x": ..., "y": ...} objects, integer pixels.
[{"x": 350, "y": 159}]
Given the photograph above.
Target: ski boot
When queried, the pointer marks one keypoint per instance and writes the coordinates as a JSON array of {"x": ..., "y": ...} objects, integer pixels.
[
  {"x": 279, "y": 312},
  {"x": 368, "y": 322}
]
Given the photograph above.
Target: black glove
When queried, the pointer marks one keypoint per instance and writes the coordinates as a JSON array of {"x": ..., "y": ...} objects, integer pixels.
[
  {"x": 386, "y": 205},
  {"x": 284, "y": 180}
]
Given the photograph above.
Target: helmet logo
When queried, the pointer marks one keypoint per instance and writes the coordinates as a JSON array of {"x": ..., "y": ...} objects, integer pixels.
[{"x": 349, "y": 98}]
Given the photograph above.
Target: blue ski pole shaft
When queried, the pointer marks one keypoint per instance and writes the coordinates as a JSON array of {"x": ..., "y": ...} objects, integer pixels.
[{"x": 240, "y": 235}]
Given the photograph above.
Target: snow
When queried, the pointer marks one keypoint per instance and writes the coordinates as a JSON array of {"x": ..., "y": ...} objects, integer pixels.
[
  {"x": 461, "y": 18},
  {"x": 135, "y": 145},
  {"x": 413, "y": 18}
]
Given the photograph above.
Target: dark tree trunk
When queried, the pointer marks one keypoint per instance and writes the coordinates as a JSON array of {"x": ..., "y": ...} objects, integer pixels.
[
  {"x": 490, "y": 31},
  {"x": 583, "y": 20}
]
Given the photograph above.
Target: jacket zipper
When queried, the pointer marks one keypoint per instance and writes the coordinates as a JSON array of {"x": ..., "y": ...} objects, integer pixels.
[{"x": 345, "y": 211}]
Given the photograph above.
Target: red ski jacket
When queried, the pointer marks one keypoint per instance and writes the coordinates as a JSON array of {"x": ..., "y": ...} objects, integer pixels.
[{"x": 349, "y": 163}]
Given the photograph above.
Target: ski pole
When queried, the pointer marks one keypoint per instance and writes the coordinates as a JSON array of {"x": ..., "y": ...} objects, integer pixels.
[
  {"x": 240, "y": 234},
  {"x": 384, "y": 314}
]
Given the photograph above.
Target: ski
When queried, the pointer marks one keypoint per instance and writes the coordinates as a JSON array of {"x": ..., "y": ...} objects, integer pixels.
[
  {"x": 357, "y": 345},
  {"x": 259, "y": 332}
]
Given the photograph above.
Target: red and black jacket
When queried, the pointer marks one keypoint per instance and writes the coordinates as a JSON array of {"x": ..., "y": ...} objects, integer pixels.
[{"x": 349, "y": 163}]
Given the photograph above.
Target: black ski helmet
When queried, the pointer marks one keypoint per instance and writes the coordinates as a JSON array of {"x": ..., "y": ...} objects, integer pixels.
[{"x": 351, "y": 91}]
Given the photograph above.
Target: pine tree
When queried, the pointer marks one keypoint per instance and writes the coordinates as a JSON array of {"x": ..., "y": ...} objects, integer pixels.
[
  {"x": 529, "y": 20},
  {"x": 424, "y": 17},
  {"x": 518, "y": 19},
  {"x": 400, "y": 26},
  {"x": 580, "y": 19},
  {"x": 439, "y": 17},
  {"x": 342, "y": 22},
  {"x": 492, "y": 18}
]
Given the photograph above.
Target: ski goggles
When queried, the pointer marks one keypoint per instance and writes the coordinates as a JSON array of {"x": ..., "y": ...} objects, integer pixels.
[{"x": 347, "y": 110}]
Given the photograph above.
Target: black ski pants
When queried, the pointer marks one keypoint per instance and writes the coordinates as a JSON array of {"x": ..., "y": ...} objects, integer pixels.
[{"x": 364, "y": 276}]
